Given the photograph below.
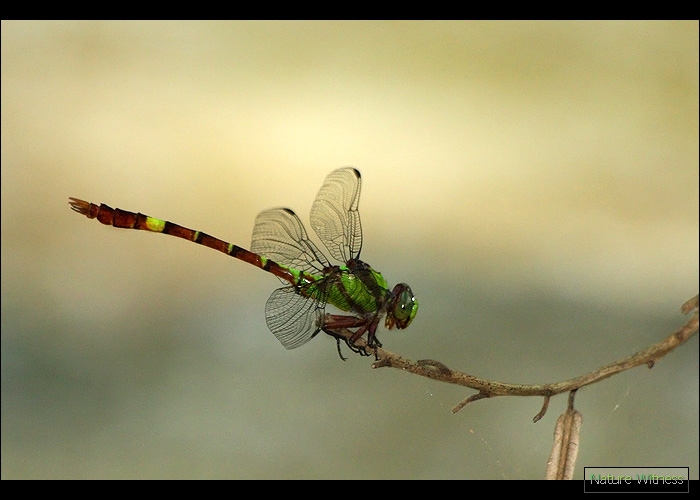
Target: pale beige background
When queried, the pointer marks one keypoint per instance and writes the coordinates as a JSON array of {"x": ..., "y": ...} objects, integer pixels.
[{"x": 535, "y": 183}]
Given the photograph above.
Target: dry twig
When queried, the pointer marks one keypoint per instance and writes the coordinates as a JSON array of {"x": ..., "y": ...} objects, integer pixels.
[{"x": 489, "y": 388}]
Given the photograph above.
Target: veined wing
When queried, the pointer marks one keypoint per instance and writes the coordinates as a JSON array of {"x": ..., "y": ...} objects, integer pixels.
[
  {"x": 335, "y": 216},
  {"x": 293, "y": 318},
  {"x": 279, "y": 235}
]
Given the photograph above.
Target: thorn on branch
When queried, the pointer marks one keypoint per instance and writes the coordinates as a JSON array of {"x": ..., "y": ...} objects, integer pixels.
[
  {"x": 470, "y": 399},
  {"x": 689, "y": 305},
  {"x": 545, "y": 405}
]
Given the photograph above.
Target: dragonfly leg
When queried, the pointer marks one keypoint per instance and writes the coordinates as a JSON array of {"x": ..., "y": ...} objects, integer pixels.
[
  {"x": 334, "y": 322},
  {"x": 337, "y": 343},
  {"x": 372, "y": 339},
  {"x": 362, "y": 351}
]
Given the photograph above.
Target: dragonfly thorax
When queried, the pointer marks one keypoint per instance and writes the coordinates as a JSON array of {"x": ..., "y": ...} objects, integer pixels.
[{"x": 357, "y": 288}]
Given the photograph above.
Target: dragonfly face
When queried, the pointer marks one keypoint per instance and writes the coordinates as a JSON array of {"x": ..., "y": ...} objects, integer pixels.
[{"x": 402, "y": 307}]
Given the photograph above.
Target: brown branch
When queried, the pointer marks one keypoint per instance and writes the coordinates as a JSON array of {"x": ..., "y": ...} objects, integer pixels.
[{"x": 489, "y": 388}]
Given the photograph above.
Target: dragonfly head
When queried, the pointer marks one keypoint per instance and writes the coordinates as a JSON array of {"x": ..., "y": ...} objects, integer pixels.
[{"x": 402, "y": 307}]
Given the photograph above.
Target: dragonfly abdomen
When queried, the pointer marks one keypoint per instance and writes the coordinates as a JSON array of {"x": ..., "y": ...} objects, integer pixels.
[{"x": 124, "y": 219}]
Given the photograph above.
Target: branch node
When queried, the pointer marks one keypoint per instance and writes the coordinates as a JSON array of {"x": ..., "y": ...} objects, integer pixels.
[
  {"x": 434, "y": 365},
  {"x": 380, "y": 363}
]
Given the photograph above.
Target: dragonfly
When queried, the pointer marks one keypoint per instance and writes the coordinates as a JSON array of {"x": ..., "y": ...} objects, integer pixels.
[{"x": 281, "y": 246}]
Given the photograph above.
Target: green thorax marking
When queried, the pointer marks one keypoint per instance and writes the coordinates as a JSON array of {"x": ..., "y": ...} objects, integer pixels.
[{"x": 352, "y": 293}]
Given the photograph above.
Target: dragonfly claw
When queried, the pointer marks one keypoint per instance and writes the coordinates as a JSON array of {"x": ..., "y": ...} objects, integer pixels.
[{"x": 337, "y": 341}]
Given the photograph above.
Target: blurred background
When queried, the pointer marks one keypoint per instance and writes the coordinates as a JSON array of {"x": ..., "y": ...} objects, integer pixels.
[{"x": 536, "y": 183}]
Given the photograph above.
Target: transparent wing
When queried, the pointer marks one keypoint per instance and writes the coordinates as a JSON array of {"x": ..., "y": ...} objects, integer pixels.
[
  {"x": 335, "y": 217},
  {"x": 293, "y": 318},
  {"x": 280, "y": 236}
]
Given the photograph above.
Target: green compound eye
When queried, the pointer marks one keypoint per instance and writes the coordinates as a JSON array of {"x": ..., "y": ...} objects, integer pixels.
[{"x": 403, "y": 309}]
